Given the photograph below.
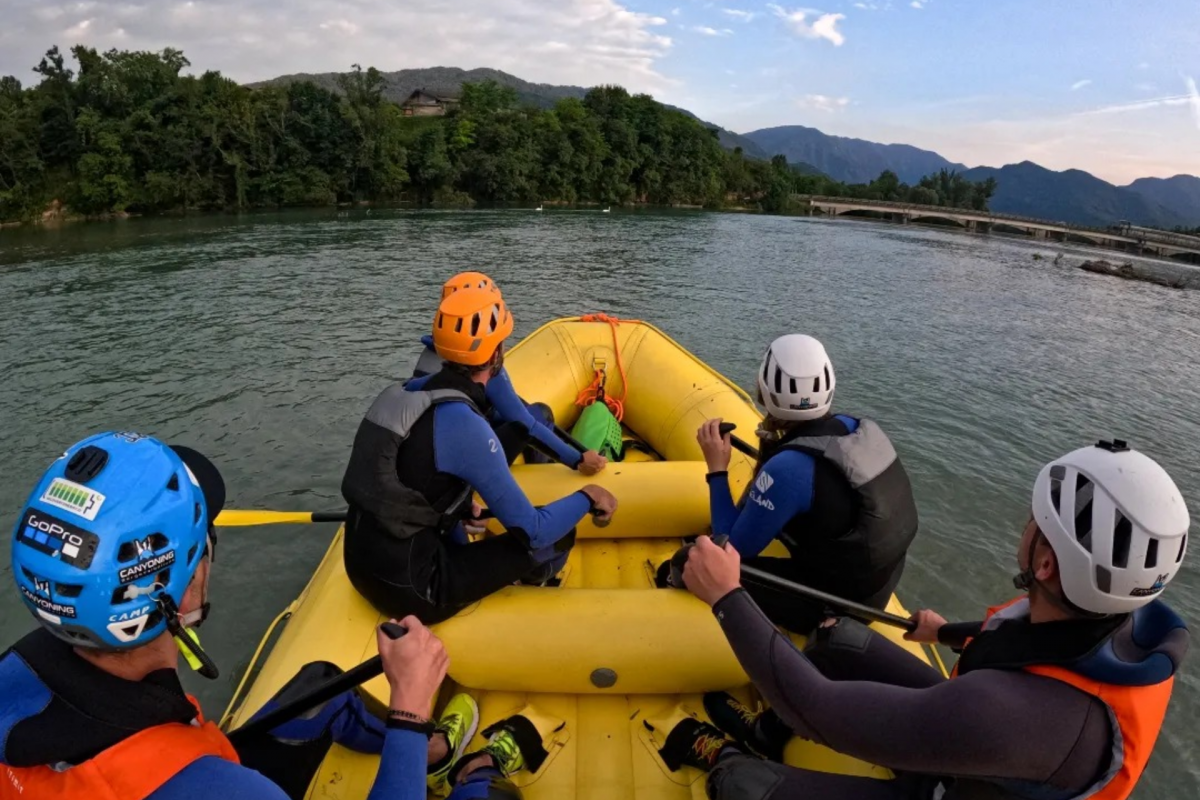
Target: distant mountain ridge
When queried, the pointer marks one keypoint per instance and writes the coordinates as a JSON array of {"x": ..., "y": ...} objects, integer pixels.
[
  {"x": 449, "y": 80},
  {"x": 849, "y": 160},
  {"x": 1180, "y": 193},
  {"x": 1073, "y": 196}
]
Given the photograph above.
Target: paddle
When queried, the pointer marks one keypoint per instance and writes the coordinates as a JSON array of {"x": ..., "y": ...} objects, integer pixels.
[
  {"x": 348, "y": 680},
  {"x": 738, "y": 444},
  {"x": 952, "y": 634},
  {"x": 242, "y": 517}
]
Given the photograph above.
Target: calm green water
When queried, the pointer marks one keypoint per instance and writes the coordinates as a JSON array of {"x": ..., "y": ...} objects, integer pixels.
[{"x": 261, "y": 340}]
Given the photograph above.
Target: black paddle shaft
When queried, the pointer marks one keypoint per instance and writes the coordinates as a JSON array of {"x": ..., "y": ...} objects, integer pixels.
[
  {"x": 850, "y": 607},
  {"x": 348, "y": 680},
  {"x": 727, "y": 428}
]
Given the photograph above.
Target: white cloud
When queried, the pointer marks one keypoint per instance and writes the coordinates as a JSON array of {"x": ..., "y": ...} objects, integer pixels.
[
  {"x": 1193, "y": 100},
  {"x": 1077, "y": 85},
  {"x": 823, "y": 102},
  {"x": 675, "y": 12},
  {"x": 707, "y": 31},
  {"x": 1139, "y": 105},
  {"x": 1146, "y": 87},
  {"x": 1144, "y": 65},
  {"x": 605, "y": 40},
  {"x": 739, "y": 14},
  {"x": 341, "y": 26},
  {"x": 917, "y": 4},
  {"x": 822, "y": 26}
]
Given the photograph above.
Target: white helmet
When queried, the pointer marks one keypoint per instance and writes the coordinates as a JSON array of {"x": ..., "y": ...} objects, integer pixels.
[
  {"x": 1116, "y": 522},
  {"x": 796, "y": 380}
]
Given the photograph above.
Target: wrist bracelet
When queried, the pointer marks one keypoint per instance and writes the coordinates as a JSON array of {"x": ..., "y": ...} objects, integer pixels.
[{"x": 396, "y": 713}]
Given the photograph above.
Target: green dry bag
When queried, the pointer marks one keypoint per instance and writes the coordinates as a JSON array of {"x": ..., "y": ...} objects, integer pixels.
[{"x": 598, "y": 430}]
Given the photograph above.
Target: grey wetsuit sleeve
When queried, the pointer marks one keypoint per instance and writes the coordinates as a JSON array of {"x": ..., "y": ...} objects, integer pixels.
[
  {"x": 851, "y": 651},
  {"x": 987, "y": 724}
]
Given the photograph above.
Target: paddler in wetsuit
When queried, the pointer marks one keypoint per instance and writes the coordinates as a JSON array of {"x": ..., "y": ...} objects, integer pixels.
[
  {"x": 1058, "y": 695},
  {"x": 423, "y": 448},
  {"x": 516, "y": 423},
  {"x": 829, "y": 486},
  {"x": 112, "y": 554}
]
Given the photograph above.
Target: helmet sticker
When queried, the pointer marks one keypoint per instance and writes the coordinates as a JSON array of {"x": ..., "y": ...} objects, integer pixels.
[
  {"x": 73, "y": 497},
  {"x": 148, "y": 562},
  {"x": 48, "y": 608},
  {"x": 57, "y": 539},
  {"x": 128, "y": 626}
]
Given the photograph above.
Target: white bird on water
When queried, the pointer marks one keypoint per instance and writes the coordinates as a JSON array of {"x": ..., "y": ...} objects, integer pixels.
[
  {"x": 606, "y": 210},
  {"x": 539, "y": 208}
]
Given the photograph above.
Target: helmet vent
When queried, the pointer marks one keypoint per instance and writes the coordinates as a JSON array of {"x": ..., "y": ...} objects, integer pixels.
[
  {"x": 778, "y": 380},
  {"x": 191, "y": 555},
  {"x": 86, "y": 464},
  {"x": 458, "y": 325},
  {"x": 1103, "y": 579},
  {"x": 1084, "y": 489},
  {"x": 828, "y": 380},
  {"x": 173, "y": 484},
  {"x": 1122, "y": 536},
  {"x": 792, "y": 386},
  {"x": 196, "y": 513},
  {"x": 476, "y": 319},
  {"x": 766, "y": 376},
  {"x": 1151, "y": 553},
  {"x": 68, "y": 589},
  {"x": 817, "y": 384},
  {"x": 1182, "y": 547}
]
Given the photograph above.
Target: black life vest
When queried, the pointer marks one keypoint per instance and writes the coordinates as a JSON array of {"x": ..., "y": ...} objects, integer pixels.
[
  {"x": 372, "y": 483},
  {"x": 853, "y": 539}
]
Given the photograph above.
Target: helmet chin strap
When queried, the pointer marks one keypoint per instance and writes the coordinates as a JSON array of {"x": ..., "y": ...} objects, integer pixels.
[{"x": 183, "y": 629}]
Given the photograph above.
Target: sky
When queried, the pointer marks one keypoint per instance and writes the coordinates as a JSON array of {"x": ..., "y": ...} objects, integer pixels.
[{"x": 1107, "y": 86}]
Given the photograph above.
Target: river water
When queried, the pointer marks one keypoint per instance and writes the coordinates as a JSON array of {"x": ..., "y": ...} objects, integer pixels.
[{"x": 261, "y": 339}]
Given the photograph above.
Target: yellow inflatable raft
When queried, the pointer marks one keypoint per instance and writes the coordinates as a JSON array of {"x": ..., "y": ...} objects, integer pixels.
[{"x": 605, "y": 652}]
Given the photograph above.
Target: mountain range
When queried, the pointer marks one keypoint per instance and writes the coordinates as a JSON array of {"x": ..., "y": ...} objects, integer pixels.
[{"x": 1026, "y": 188}]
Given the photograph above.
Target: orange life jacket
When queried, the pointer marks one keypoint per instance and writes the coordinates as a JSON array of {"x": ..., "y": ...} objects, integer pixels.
[
  {"x": 1137, "y": 713},
  {"x": 132, "y": 769}
]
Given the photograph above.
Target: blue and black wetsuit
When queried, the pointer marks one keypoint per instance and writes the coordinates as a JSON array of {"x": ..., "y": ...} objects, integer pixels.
[
  {"x": 409, "y": 484},
  {"x": 513, "y": 420},
  {"x": 835, "y": 493}
]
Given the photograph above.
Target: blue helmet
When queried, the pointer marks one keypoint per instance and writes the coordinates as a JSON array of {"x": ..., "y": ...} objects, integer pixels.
[{"x": 116, "y": 525}]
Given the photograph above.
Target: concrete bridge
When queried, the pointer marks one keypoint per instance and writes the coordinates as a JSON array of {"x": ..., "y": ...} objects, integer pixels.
[{"x": 1120, "y": 237}]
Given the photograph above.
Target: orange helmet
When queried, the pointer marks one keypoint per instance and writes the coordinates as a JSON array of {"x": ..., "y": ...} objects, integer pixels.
[
  {"x": 470, "y": 324},
  {"x": 467, "y": 280}
]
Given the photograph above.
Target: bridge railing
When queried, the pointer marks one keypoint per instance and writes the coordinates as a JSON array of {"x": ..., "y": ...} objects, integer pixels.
[{"x": 990, "y": 216}]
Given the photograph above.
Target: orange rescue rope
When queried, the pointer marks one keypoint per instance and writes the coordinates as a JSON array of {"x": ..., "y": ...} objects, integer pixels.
[{"x": 595, "y": 390}]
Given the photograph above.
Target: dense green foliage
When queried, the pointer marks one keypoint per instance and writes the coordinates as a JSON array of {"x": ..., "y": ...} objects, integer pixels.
[{"x": 129, "y": 131}]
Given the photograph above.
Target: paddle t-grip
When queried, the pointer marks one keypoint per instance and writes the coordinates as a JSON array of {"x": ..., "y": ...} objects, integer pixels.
[
  {"x": 726, "y": 428},
  {"x": 393, "y": 630},
  {"x": 681, "y": 556}
]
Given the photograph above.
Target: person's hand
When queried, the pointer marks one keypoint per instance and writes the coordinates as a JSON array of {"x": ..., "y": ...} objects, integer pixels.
[
  {"x": 716, "y": 448},
  {"x": 928, "y": 625},
  {"x": 712, "y": 572},
  {"x": 602, "y": 501},
  {"x": 415, "y": 665},
  {"x": 473, "y": 525},
  {"x": 591, "y": 463}
]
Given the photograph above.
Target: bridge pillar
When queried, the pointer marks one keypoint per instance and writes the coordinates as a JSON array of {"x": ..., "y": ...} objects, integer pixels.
[{"x": 1040, "y": 233}]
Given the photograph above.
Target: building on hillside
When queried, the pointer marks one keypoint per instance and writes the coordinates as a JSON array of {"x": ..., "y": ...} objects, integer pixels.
[{"x": 426, "y": 104}]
